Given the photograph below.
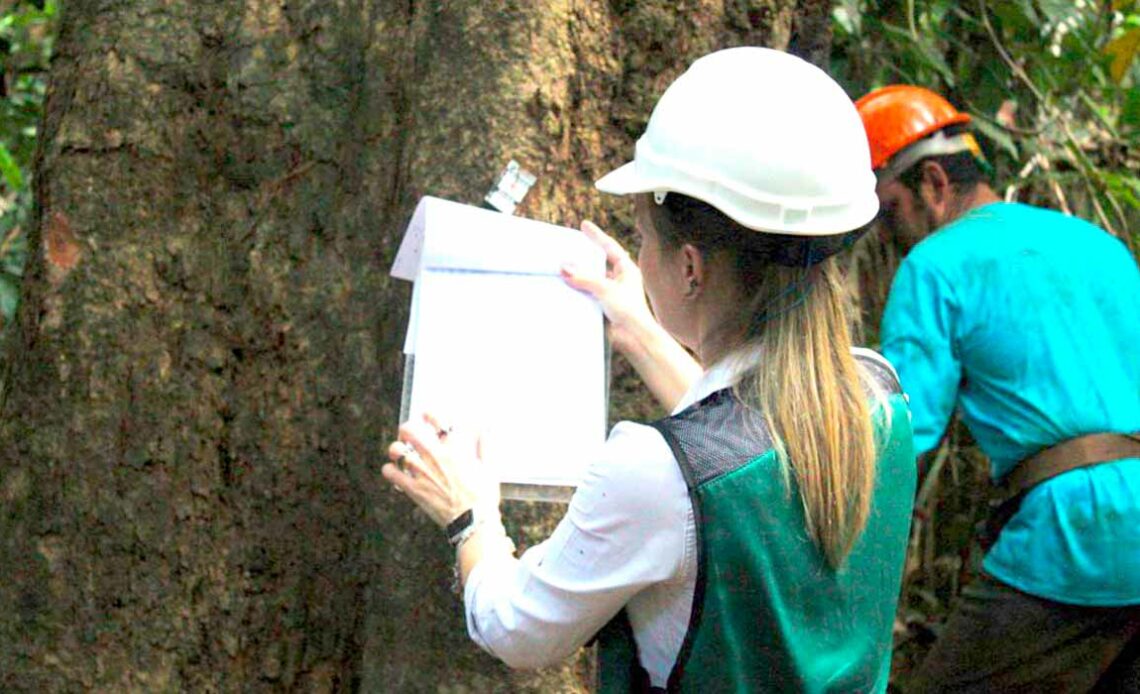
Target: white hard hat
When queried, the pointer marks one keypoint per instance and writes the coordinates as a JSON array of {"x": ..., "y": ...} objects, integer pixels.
[{"x": 767, "y": 138}]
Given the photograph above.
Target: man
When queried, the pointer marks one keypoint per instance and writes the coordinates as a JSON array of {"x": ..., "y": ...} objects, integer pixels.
[{"x": 1028, "y": 323}]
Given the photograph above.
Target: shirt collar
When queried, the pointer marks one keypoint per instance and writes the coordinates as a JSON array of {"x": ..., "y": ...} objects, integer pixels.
[{"x": 723, "y": 374}]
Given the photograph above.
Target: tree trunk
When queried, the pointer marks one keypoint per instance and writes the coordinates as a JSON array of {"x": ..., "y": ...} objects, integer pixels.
[{"x": 207, "y": 363}]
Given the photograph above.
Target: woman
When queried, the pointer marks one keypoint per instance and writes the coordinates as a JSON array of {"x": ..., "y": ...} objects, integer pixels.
[{"x": 754, "y": 540}]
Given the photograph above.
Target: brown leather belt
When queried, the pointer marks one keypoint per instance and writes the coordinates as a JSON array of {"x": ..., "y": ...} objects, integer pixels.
[
  {"x": 1083, "y": 451},
  {"x": 1071, "y": 454}
]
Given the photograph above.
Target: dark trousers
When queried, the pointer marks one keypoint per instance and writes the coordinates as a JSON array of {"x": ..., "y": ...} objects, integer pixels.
[{"x": 999, "y": 639}]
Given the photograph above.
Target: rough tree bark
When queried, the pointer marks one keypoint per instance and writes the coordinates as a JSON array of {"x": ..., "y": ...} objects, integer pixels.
[{"x": 206, "y": 366}]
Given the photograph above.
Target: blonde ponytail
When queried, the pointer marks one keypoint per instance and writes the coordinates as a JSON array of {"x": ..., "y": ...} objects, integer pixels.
[{"x": 814, "y": 398}]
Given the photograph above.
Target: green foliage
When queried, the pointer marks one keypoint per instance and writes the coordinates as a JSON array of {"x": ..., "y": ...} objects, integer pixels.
[
  {"x": 27, "y": 30},
  {"x": 1053, "y": 86}
]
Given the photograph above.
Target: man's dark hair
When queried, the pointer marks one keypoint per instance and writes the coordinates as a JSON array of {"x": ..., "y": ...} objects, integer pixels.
[{"x": 961, "y": 168}]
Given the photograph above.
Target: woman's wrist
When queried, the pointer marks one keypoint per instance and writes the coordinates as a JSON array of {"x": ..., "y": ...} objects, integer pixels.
[
  {"x": 486, "y": 539},
  {"x": 663, "y": 364},
  {"x": 634, "y": 336},
  {"x": 468, "y": 521}
]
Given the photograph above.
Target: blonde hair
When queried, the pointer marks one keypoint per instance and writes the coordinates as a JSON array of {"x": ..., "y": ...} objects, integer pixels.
[{"x": 815, "y": 399}]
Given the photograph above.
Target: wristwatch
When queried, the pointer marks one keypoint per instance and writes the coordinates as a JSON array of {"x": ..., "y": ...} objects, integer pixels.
[{"x": 461, "y": 528}]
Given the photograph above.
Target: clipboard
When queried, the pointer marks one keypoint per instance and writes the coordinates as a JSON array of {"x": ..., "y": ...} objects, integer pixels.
[{"x": 539, "y": 382}]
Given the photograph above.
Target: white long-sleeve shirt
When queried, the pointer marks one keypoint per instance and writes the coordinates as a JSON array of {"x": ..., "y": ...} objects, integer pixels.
[{"x": 629, "y": 540}]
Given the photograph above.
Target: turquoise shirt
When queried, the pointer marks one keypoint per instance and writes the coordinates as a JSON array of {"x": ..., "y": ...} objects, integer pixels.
[{"x": 1028, "y": 322}]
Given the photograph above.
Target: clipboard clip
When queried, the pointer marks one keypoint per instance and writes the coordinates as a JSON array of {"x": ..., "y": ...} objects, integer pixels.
[{"x": 512, "y": 185}]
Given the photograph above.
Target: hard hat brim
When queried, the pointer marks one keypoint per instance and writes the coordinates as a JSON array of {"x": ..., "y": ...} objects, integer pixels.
[
  {"x": 627, "y": 180},
  {"x": 622, "y": 181}
]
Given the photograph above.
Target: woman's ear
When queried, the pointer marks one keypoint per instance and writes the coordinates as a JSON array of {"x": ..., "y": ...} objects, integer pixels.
[{"x": 693, "y": 268}]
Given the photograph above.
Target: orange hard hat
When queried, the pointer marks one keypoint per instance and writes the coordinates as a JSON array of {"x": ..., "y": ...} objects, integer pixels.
[{"x": 900, "y": 115}]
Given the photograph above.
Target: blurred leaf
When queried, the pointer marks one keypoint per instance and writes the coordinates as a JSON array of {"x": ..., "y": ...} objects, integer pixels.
[
  {"x": 928, "y": 53},
  {"x": 1130, "y": 112},
  {"x": 929, "y": 598},
  {"x": 846, "y": 16},
  {"x": 9, "y": 297},
  {"x": 843, "y": 21},
  {"x": 10, "y": 169},
  {"x": 1056, "y": 10},
  {"x": 15, "y": 256},
  {"x": 1017, "y": 17},
  {"x": 1123, "y": 50},
  {"x": 1125, "y": 187},
  {"x": 996, "y": 134}
]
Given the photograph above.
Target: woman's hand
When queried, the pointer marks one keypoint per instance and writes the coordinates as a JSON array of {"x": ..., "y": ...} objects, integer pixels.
[
  {"x": 667, "y": 369},
  {"x": 441, "y": 470},
  {"x": 620, "y": 293}
]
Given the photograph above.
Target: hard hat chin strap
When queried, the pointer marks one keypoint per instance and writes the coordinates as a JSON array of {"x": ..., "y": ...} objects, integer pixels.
[
  {"x": 808, "y": 251},
  {"x": 787, "y": 299},
  {"x": 937, "y": 144},
  {"x": 659, "y": 196}
]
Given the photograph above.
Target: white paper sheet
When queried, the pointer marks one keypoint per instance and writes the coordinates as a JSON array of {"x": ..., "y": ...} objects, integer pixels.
[{"x": 501, "y": 343}]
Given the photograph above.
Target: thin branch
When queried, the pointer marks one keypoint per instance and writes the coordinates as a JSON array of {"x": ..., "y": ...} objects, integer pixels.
[
  {"x": 1013, "y": 65},
  {"x": 1011, "y": 129},
  {"x": 931, "y": 480},
  {"x": 1056, "y": 186},
  {"x": 1090, "y": 104},
  {"x": 9, "y": 240}
]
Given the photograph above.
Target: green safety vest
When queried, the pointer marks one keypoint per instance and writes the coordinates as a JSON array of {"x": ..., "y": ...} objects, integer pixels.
[{"x": 769, "y": 613}]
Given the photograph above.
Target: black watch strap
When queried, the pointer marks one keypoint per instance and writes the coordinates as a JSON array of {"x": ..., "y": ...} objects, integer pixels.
[{"x": 456, "y": 528}]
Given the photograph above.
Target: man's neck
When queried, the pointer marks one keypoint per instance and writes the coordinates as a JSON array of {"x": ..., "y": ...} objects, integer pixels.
[{"x": 980, "y": 195}]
